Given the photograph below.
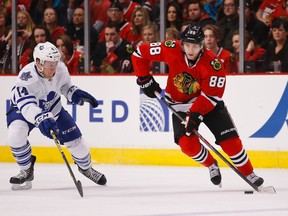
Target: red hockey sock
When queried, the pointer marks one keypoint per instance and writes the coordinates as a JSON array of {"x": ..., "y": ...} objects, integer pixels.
[
  {"x": 194, "y": 149},
  {"x": 234, "y": 149}
]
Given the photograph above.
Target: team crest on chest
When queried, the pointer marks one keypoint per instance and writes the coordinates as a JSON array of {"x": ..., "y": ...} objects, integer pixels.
[
  {"x": 185, "y": 83},
  {"x": 25, "y": 76},
  {"x": 216, "y": 64}
]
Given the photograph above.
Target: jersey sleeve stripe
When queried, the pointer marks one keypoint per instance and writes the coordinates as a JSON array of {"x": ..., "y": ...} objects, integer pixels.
[{"x": 28, "y": 103}]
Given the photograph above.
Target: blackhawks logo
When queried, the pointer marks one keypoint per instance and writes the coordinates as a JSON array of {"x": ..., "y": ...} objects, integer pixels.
[
  {"x": 216, "y": 64},
  {"x": 186, "y": 84},
  {"x": 169, "y": 43},
  {"x": 129, "y": 48}
]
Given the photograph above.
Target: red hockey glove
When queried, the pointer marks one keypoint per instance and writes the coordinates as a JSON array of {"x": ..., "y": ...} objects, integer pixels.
[
  {"x": 193, "y": 121},
  {"x": 148, "y": 85}
]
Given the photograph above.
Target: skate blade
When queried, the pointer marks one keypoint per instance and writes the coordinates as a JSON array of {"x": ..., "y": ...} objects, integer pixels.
[{"x": 25, "y": 186}]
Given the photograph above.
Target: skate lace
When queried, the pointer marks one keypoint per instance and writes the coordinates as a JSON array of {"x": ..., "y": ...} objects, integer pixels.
[
  {"x": 214, "y": 171},
  {"x": 92, "y": 174},
  {"x": 23, "y": 174},
  {"x": 252, "y": 177}
]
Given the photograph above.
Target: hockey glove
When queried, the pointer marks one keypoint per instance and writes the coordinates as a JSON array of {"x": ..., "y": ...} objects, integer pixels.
[
  {"x": 193, "y": 121},
  {"x": 148, "y": 85},
  {"x": 46, "y": 122},
  {"x": 79, "y": 97}
]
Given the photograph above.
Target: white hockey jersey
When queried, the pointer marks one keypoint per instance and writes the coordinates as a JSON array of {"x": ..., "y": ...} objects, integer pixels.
[{"x": 33, "y": 94}]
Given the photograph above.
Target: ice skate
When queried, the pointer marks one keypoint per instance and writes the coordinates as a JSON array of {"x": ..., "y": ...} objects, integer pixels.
[
  {"x": 94, "y": 175},
  {"x": 215, "y": 175},
  {"x": 254, "y": 179},
  {"x": 23, "y": 181}
]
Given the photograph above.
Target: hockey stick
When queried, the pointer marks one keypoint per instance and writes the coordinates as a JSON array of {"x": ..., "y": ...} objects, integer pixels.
[
  {"x": 268, "y": 189},
  {"x": 77, "y": 183}
]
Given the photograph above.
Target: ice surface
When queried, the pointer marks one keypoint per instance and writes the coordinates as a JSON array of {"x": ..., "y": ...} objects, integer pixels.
[{"x": 141, "y": 191}]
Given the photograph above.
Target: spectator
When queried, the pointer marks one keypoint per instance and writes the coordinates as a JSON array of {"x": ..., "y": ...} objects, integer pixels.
[
  {"x": 50, "y": 20},
  {"x": 22, "y": 5},
  {"x": 39, "y": 6},
  {"x": 212, "y": 36},
  {"x": 3, "y": 19},
  {"x": 266, "y": 9},
  {"x": 40, "y": 34},
  {"x": 140, "y": 18},
  {"x": 128, "y": 8},
  {"x": 253, "y": 52},
  {"x": 73, "y": 59},
  {"x": 183, "y": 5},
  {"x": 184, "y": 25},
  {"x": 76, "y": 31},
  {"x": 153, "y": 8},
  {"x": 211, "y": 7},
  {"x": 150, "y": 34},
  {"x": 72, "y": 5},
  {"x": 171, "y": 34},
  {"x": 259, "y": 31},
  {"x": 229, "y": 23},
  {"x": 281, "y": 11},
  {"x": 6, "y": 51},
  {"x": 197, "y": 14},
  {"x": 116, "y": 17},
  {"x": 25, "y": 24},
  {"x": 174, "y": 15},
  {"x": 114, "y": 54},
  {"x": 98, "y": 19},
  {"x": 277, "y": 51}
]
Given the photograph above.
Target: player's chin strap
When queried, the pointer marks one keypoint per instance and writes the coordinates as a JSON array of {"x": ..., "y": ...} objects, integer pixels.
[
  {"x": 40, "y": 71},
  {"x": 269, "y": 189}
]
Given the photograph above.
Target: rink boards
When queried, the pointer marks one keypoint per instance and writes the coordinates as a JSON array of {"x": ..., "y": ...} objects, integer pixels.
[{"x": 128, "y": 128}]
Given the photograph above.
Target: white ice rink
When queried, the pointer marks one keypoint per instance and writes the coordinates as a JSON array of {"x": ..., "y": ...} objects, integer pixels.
[{"x": 141, "y": 191}]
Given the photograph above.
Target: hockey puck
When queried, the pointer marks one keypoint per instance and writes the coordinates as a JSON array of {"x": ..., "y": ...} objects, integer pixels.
[{"x": 248, "y": 192}]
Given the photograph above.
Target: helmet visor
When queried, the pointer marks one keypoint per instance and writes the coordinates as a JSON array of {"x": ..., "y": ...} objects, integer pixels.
[{"x": 50, "y": 64}]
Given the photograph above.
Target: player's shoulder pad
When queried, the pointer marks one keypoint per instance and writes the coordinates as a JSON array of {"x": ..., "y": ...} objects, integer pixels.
[
  {"x": 28, "y": 75},
  {"x": 62, "y": 73},
  {"x": 214, "y": 60},
  {"x": 171, "y": 43}
]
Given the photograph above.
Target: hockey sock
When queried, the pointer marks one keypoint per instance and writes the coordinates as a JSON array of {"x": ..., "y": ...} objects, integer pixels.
[
  {"x": 191, "y": 146},
  {"x": 234, "y": 149},
  {"x": 80, "y": 153},
  {"x": 22, "y": 155}
]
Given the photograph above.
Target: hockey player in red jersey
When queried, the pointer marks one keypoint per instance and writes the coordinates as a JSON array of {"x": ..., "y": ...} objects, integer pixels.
[{"x": 195, "y": 86}]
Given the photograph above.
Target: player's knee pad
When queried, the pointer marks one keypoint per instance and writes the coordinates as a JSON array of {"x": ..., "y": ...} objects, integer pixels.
[
  {"x": 190, "y": 145},
  {"x": 232, "y": 146},
  {"x": 77, "y": 148},
  {"x": 17, "y": 134}
]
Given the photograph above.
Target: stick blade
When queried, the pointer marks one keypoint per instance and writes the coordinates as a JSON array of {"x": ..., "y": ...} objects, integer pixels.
[
  {"x": 79, "y": 188},
  {"x": 269, "y": 189}
]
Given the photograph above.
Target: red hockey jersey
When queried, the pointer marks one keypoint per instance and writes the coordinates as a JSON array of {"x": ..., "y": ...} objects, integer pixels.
[{"x": 203, "y": 82}]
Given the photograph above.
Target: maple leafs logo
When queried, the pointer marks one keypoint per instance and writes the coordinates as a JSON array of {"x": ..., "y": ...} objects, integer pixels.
[{"x": 25, "y": 76}]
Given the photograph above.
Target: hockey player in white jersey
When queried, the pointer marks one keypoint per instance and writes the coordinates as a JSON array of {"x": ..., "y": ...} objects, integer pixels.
[{"x": 36, "y": 102}]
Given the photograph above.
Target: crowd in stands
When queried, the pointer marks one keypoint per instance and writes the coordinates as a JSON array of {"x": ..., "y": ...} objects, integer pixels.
[{"x": 118, "y": 27}]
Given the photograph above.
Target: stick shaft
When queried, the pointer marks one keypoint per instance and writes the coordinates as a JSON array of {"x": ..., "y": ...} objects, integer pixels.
[
  {"x": 77, "y": 183},
  {"x": 207, "y": 143}
]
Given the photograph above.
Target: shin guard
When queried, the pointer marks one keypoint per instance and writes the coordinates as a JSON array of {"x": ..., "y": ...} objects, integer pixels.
[
  {"x": 234, "y": 149},
  {"x": 191, "y": 146}
]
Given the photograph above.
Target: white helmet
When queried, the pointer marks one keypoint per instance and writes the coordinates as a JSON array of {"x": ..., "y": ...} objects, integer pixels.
[{"x": 46, "y": 52}]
